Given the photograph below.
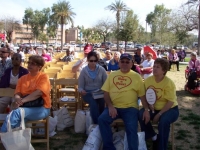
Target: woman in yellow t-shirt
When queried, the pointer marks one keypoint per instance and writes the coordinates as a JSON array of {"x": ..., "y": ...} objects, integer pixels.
[
  {"x": 165, "y": 108},
  {"x": 29, "y": 88}
]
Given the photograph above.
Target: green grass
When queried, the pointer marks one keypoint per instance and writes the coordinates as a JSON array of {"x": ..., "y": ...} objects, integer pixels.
[{"x": 187, "y": 59}]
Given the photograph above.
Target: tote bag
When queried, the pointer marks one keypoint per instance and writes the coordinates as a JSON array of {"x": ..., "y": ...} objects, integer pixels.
[{"x": 20, "y": 138}]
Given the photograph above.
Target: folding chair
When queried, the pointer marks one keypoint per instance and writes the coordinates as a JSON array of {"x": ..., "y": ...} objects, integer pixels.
[{"x": 70, "y": 90}]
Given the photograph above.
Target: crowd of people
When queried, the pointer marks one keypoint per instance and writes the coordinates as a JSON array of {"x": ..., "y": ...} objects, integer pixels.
[{"x": 120, "y": 78}]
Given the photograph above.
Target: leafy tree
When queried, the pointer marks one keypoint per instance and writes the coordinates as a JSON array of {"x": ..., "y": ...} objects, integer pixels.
[
  {"x": 103, "y": 28},
  {"x": 10, "y": 24},
  {"x": 129, "y": 27},
  {"x": 43, "y": 37},
  {"x": 62, "y": 14},
  {"x": 118, "y": 7},
  {"x": 36, "y": 20},
  {"x": 158, "y": 21}
]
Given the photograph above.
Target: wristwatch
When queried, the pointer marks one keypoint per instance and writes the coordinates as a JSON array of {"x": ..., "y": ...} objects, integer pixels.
[{"x": 147, "y": 109}]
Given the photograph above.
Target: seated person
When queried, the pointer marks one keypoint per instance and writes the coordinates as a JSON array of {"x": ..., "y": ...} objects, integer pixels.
[
  {"x": 194, "y": 63},
  {"x": 69, "y": 56},
  {"x": 46, "y": 57},
  {"x": 159, "y": 54},
  {"x": 10, "y": 79},
  {"x": 138, "y": 57},
  {"x": 29, "y": 88},
  {"x": 80, "y": 64},
  {"x": 121, "y": 98},
  {"x": 101, "y": 62},
  {"x": 173, "y": 59},
  {"x": 194, "y": 69},
  {"x": 113, "y": 65},
  {"x": 146, "y": 67},
  {"x": 108, "y": 56},
  {"x": 181, "y": 55},
  {"x": 165, "y": 110},
  {"x": 91, "y": 78}
]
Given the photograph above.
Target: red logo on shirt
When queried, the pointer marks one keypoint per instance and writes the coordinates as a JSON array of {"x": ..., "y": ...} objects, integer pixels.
[{"x": 121, "y": 81}]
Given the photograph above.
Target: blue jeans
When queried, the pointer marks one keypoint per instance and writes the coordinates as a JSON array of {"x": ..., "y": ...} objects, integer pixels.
[
  {"x": 130, "y": 118},
  {"x": 96, "y": 106},
  {"x": 31, "y": 113},
  {"x": 165, "y": 120}
]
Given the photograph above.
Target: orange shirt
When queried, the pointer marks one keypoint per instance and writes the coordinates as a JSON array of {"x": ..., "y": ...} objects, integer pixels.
[{"x": 27, "y": 84}]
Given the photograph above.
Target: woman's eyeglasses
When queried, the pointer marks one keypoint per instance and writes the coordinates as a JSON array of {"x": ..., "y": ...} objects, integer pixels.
[
  {"x": 127, "y": 62},
  {"x": 92, "y": 60},
  {"x": 31, "y": 63}
]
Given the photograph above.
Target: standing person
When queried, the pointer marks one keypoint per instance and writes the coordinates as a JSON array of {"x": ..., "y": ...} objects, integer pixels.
[
  {"x": 181, "y": 54},
  {"x": 114, "y": 63},
  {"x": 20, "y": 51},
  {"x": 5, "y": 62},
  {"x": 173, "y": 59},
  {"x": 80, "y": 64},
  {"x": 10, "y": 79},
  {"x": 29, "y": 88},
  {"x": 165, "y": 108},
  {"x": 91, "y": 78},
  {"x": 121, "y": 91},
  {"x": 147, "y": 66}
]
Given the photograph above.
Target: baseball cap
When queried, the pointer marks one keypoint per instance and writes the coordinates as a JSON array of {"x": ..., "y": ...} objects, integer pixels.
[{"x": 127, "y": 56}]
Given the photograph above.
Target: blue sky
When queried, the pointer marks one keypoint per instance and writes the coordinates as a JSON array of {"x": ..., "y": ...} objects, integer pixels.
[{"x": 88, "y": 12}]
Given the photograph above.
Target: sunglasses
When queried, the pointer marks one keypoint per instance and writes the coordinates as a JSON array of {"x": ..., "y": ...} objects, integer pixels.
[
  {"x": 127, "y": 62},
  {"x": 92, "y": 60},
  {"x": 31, "y": 63}
]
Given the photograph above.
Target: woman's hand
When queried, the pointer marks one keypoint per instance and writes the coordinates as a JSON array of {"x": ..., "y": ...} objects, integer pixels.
[
  {"x": 83, "y": 92},
  {"x": 18, "y": 101}
]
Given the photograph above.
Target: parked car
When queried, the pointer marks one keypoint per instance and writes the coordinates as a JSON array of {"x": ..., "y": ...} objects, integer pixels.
[
  {"x": 121, "y": 45},
  {"x": 129, "y": 45},
  {"x": 138, "y": 46},
  {"x": 105, "y": 45}
]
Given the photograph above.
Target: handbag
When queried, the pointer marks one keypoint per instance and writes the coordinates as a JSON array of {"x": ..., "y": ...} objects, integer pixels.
[
  {"x": 35, "y": 103},
  {"x": 98, "y": 94},
  {"x": 20, "y": 139}
]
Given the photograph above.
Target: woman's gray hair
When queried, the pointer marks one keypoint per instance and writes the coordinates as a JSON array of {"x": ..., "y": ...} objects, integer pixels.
[{"x": 194, "y": 54}]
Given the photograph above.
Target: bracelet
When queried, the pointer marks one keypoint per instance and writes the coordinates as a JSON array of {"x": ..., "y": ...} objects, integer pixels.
[{"x": 160, "y": 113}]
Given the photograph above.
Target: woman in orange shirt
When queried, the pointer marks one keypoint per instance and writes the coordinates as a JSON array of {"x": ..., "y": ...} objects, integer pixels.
[{"x": 29, "y": 88}]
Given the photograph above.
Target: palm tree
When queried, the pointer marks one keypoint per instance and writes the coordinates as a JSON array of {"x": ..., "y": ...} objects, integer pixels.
[
  {"x": 196, "y": 2},
  {"x": 62, "y": 12},
  {"x": 118, "y": 7}
]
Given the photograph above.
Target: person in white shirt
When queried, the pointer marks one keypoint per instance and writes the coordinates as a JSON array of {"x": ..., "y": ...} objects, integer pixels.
[
  {"x": 32, "y": 51},
  {"x": 80, "y": 64},
  {"x": 147, "y": 66}
]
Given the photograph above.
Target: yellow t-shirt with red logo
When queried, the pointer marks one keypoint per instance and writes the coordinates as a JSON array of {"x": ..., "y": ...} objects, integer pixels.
[
  {"x": 165, "y": 91},
  {"x": 27, "y": 84},
  {"x": 124, "y": 88}
]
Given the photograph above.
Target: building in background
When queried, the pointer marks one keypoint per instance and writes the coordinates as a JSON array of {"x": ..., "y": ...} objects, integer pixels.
[{"x": 73, "y": 35}]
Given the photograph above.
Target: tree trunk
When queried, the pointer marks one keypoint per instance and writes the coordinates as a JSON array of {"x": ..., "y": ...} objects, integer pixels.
[
  {"x": 62, "y": 25},
  {"x": 199, "y": 32},
  {"x": 125, "y": 45}
]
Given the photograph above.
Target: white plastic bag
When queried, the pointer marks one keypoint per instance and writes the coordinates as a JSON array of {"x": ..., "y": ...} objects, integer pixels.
[
  {"x": 118, "y": 140},
  {"x": 64, "y": 118},
  {"x": 18, "y": 138},
  {"x": 94, "y": 139},
  {"x": 141, "y": 139},
  {"x": 52, "y": 125},
  {"x": 88, "y": 121},
  {"x": 80, "y": 121}
]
